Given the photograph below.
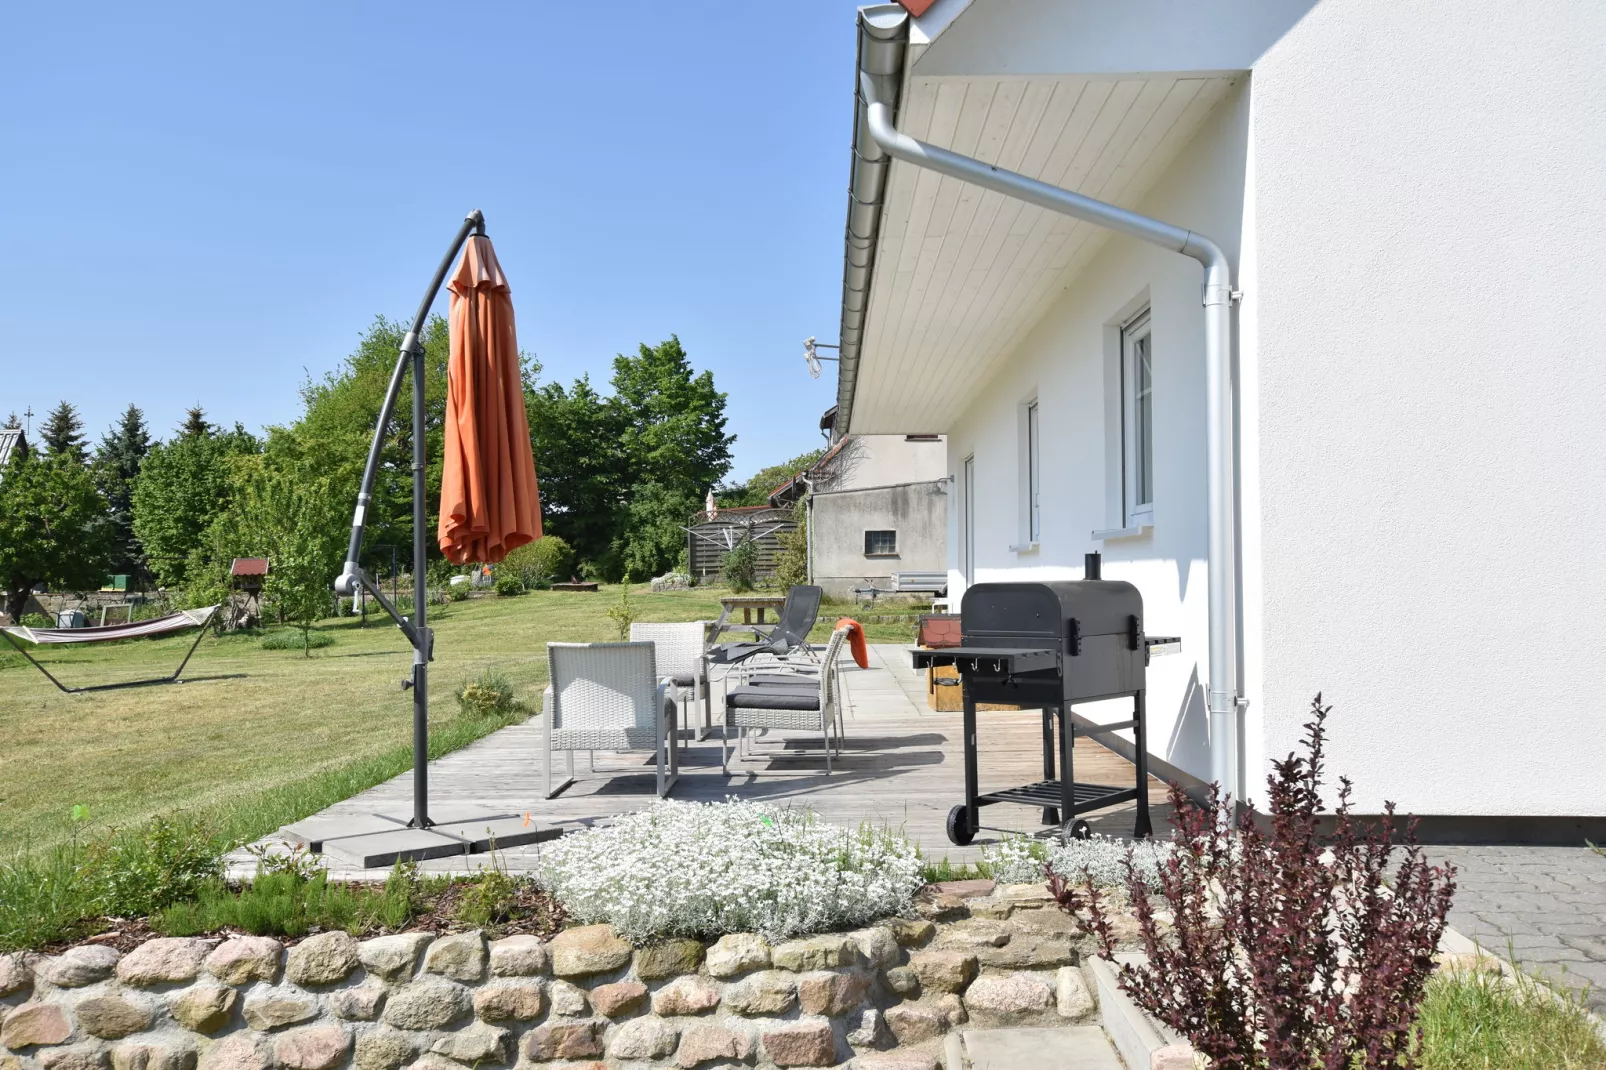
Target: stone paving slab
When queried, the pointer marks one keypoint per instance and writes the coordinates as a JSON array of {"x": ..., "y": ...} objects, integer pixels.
[
  {"x": 1079, "y": 1047},
  {"x": 1544, "y": 908}
]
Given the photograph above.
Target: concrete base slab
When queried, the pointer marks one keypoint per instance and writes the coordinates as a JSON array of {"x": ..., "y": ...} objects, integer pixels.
[
  {"x": 1079, "y": 1047},
  {"x": 378, "y": 849},
  {"x": 486, "y": 834},
  {"x": 313, "y": 831},
  {"x": 375, "y": 840}
]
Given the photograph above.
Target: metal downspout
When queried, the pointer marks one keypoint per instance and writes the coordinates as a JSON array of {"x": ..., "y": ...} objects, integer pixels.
[{"x": 1222, "y": 695}]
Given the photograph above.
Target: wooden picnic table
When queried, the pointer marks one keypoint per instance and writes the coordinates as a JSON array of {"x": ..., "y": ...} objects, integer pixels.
[{"x": 747, "y": 603}]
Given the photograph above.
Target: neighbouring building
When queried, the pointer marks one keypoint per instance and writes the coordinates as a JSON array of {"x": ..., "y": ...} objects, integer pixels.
[
  {"x": 13, "y": 443},
  {"x": 1408, "y": 197},
  {"x": 877, "y": 507}
]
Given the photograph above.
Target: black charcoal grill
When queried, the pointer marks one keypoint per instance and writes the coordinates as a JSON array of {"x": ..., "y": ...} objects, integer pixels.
[{"x": 1051, "y": 645}]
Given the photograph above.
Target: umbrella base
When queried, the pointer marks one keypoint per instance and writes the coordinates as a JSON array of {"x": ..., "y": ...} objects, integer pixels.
[{"x": 377, "y": 840}]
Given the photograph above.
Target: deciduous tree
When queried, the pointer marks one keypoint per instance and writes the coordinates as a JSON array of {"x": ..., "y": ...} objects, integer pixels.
[
  {"x": 576, "y": 435},
  {"x": 758, "y": 487},
  {"x": 297, "y": 520},
  {"x": 674, "y": 420},
  {"x": 53, "y": 528},
  {"x": 332, "y": 437},
  {"x": 183, "y": 486},
  {"x": 655, "y": 530}
]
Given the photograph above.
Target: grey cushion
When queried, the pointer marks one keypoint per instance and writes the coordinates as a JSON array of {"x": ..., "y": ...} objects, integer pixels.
[
  {"x": 773, "y": 698},
  {"x": 795, "y": 682},
  {"x": 683, "y": 679}
]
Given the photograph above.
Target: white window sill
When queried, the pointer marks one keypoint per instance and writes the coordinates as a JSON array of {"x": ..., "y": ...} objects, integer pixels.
[
  {"x": 1024, "y": 548},
  {"x": 1132, "y": 532}
]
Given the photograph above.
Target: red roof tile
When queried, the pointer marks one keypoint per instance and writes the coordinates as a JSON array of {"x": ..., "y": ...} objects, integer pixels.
[{"x": 917, "y": 7}]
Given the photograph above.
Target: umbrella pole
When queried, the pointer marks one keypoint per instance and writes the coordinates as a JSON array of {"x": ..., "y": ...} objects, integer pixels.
[
  {"x": 421, "y": 649},
  {"x": 353, "y": 577}
]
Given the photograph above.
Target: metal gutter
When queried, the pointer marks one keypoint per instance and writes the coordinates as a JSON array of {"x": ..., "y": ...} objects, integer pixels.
[
  {"x": 883, "y": 41},
  {"x": 1223, "y": 701}
]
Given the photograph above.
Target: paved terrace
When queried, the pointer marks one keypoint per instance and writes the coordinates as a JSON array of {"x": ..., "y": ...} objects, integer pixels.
[{"x": 902, "y": 766}]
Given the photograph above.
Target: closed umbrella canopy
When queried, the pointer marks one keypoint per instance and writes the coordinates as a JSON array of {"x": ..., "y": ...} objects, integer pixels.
[{"x": 489, "y": 500}]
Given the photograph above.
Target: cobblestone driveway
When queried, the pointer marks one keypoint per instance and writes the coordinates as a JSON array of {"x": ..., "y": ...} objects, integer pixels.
[{"x": 1545, "y": 907}]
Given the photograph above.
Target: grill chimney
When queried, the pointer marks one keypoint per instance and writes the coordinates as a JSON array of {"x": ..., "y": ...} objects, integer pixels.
[{"x": 1092, "y": 566}]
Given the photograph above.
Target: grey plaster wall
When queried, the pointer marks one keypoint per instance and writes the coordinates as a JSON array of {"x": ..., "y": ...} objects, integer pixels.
[{"x": 918, "y": 512}]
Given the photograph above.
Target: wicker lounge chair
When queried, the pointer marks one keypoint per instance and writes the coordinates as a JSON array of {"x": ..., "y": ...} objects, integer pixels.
[{"x": 788, "y": 638}]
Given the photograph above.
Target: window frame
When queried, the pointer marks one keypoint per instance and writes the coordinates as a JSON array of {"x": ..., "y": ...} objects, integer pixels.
[
  {"x": 1034, "y": 472},
  {"x": 868, "y": 552},
  {"x": 967, "y": 471},
  {"x": 1137, "y": 420}
]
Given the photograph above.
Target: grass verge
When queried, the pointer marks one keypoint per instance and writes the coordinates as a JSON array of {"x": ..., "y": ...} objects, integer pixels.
[
  {"x": 1483, "y": 1021},
  {"x": 58, "y": 893}
]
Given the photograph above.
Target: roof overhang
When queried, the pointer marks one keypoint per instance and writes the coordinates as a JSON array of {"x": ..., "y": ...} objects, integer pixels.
[{"x": 944, "y": 279}]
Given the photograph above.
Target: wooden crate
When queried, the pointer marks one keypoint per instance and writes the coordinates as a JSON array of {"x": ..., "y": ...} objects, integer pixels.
[{"x": 944, "y": 694}]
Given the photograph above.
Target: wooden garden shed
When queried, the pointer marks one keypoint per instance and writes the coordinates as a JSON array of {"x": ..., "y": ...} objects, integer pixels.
[{"x": 710, "y": 537}]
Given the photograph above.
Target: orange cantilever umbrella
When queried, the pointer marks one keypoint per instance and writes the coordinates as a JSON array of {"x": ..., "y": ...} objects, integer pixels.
[{"x": 489, "y": 500}]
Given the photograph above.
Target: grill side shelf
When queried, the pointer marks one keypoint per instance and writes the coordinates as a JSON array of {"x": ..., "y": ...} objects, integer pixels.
[{"x": 988, "y": 661}]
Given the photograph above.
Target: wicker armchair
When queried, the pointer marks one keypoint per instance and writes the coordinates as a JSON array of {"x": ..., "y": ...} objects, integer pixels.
[
  {"x": 607, "y": 696},
  {"x": 813, "y": 703},
  {"x": 679, "y": 649}
]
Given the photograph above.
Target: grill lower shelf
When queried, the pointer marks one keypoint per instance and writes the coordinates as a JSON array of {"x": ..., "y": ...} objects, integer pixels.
[{"x": 1047, "y": 793}]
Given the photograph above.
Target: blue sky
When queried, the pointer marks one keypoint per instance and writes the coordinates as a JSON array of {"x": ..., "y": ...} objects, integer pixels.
[{"x": 206, "y": 203}]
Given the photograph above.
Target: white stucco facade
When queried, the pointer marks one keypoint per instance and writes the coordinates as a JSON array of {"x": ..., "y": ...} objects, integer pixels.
[{"x": 1411, "y": 194}]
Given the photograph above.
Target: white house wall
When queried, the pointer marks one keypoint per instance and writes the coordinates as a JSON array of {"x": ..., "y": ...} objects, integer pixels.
[
  {"x": 882, "y": 460},
  {"x": 1428, "y": 213},
  {"x": 1062, "y": 362}
]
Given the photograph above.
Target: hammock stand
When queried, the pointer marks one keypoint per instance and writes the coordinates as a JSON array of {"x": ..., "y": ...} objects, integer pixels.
[{"x": 173, "y": 622}]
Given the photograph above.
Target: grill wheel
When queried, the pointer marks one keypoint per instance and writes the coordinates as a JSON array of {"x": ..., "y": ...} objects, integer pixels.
[{"x": 960, "y": 832}]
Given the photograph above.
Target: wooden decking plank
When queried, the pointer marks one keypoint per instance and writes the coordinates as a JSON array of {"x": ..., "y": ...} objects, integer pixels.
[{"x": 902, "y": 767}]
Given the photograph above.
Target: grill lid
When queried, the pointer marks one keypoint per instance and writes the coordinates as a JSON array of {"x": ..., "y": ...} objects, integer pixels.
[{"x": 1100, "y": 607}]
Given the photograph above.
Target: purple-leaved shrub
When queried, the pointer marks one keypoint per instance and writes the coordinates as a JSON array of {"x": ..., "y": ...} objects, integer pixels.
[{"x": 1284, "y": 949}]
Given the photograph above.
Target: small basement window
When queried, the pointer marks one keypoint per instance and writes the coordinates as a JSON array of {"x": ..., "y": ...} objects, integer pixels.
[
  {"x": 922, "y": 438},
  {"x": 880, "y": 543}
]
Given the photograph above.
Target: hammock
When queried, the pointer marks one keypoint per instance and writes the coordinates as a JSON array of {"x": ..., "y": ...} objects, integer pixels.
[{"x": 173, "y": 622}]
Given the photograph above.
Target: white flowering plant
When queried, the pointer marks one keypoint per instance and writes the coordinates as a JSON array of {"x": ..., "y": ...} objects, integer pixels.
[
  {"x": 1099, "y": 859},
  {"x": 706, "y": 869}
]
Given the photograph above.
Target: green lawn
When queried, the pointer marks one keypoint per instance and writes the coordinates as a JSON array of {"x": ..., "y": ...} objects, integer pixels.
[{"x": 290, "y": 735}]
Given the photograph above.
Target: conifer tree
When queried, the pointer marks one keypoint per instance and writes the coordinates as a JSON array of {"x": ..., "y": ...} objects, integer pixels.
[
  {"x": 117, "y": 463},
  {"x": 63, "y": 434}
]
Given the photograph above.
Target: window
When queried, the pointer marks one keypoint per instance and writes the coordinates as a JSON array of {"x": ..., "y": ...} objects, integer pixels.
[
  {"x": 1034, "y": 475},
  {"x": 922, "y": 438},
  {"x": 1137, "y": 421},
  {"x": 880, "y": 543}
]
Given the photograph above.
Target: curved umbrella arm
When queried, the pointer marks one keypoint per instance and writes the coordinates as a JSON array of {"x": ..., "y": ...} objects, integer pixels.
[{"x": 352, "y": 576}]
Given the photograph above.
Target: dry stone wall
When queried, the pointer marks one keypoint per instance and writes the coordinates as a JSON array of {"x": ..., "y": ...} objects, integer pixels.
[{"x": 880, "y": 997}]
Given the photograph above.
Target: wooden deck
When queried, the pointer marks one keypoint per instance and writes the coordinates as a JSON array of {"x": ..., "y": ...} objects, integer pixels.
[{"x": 902, "y": 766}]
